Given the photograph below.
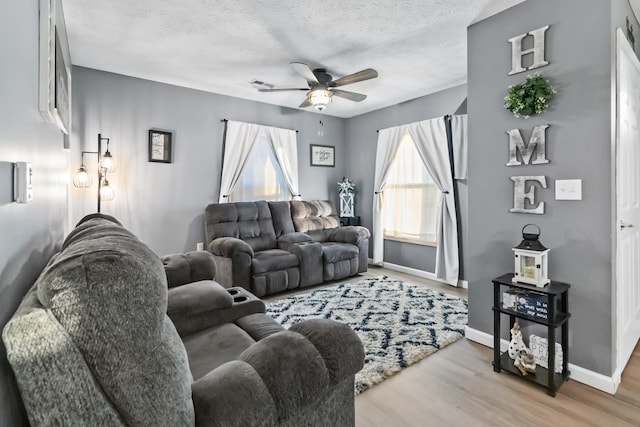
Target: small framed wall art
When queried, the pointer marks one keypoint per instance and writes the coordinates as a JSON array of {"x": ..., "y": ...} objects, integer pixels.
[
  {"x": 323, "y": 155},
  {"x": 160, "y": 146}
]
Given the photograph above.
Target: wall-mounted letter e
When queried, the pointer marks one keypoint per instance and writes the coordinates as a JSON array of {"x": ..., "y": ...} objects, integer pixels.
[{"x": 520, "y": 196}]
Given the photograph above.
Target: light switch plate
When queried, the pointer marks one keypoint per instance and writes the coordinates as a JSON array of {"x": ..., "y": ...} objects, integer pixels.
[{"x": 568, "y": 189}]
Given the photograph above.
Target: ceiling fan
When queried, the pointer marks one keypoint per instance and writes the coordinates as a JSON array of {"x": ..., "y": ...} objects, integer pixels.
[{"x": 321, "y": 85}]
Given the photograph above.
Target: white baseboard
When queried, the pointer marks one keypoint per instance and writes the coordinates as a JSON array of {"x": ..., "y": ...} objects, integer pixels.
[
  {"x": 419, "y": 273},
  {"x": 579, "y": 374}
]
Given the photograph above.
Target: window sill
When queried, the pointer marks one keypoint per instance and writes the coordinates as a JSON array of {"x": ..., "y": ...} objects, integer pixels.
[{"x": 411, "y": 241}]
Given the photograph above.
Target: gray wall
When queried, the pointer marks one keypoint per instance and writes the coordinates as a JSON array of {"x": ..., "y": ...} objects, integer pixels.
[
  {"x": 578, "y": 146},
  {"x": 30, "y": 232},
  {"x": 163, "y": 203},
  {"x": 361, "y": 147}
]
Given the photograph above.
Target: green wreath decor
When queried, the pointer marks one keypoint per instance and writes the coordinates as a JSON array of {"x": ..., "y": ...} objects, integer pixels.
[{"x": 529, "y": 97}]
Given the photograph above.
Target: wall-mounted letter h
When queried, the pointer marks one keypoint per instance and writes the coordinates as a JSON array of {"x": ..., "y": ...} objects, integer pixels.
[{"x": 537, "y": 50}]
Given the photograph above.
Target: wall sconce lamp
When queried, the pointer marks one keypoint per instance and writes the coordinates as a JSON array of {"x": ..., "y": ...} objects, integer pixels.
[{"x": 82, "y": 179}]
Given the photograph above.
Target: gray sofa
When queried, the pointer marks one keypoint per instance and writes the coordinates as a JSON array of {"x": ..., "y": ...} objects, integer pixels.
[
  {"x": 100, "y": 339},
  {"x": 270, "y": 247}
]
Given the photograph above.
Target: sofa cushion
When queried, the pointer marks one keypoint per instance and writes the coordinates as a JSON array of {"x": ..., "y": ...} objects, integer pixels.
[
  {"x": 215, "y": 346},
  {"x": 248, "y": 221},
  {"x": 108, "y": 291},
  {"x": 334, "y": 252},
  {"x": 281, "y": 215},
  {"x": 273, "y": 260},
  {"x": 314, "y": 217}
]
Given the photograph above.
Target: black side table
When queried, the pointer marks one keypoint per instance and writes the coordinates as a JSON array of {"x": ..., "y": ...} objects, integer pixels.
[{"x": 556, "y": 318}]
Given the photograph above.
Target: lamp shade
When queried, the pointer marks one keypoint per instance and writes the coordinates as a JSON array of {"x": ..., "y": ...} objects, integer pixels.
[
  {"x": 107, "y": 162},
  {"x": 82, "y": 179},
  {"x": 106, "y": 192},
  {"x": 320, "y": 98}
]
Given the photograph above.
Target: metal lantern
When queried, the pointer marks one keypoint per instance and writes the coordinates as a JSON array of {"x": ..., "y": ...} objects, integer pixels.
[{"x": 531, "y": 260}]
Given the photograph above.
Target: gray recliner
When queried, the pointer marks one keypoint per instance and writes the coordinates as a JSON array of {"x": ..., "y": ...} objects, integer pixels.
[
  {"x": 344, "y": 249},
  {"x": 243, "y": 241},
  {"x": 269, "y": 247},
  {"x": 101, "y": 340}
]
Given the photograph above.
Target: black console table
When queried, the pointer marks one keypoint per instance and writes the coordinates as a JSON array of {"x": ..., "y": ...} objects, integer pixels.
[{"x": 558, "y": 316}]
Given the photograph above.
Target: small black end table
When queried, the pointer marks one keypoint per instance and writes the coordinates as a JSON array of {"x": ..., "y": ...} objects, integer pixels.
[{"x": 556, "y": 318}]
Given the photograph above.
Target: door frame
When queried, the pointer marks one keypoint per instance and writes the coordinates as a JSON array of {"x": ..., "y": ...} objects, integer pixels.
[{"x": 622, "y": 48}]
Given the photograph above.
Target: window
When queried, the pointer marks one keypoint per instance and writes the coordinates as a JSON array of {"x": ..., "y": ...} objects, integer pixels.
[
  {"x": 261, "y": 177},
  {"x": 410, "y": 198}
]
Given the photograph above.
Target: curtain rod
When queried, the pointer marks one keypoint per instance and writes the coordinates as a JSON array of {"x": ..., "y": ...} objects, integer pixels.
[
  {"x": 226, "y": 120},
  {"x": 446, "y": 117}
]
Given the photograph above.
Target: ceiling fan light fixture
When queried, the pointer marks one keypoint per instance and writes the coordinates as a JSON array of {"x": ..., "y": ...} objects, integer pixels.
[{"x": 320, "y": 98}]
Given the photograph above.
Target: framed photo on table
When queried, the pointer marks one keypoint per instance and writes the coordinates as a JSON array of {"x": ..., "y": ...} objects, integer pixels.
[
  {"x": 160, "y": 146},
  {"x": 323, "y": 155}
]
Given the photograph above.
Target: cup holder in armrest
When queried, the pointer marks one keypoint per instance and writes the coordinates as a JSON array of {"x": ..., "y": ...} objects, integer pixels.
[
  {"x": 232, "y": 291},
  {"x": 239, "y": 298}
]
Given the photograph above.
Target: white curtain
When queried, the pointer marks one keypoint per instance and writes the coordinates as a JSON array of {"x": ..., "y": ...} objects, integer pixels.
[
  {"x": 430, "y": 138},
  {"x": 285, "y": 146},
  {"x": 388, "y": 142},
  {"x": 240, "y": 139},
  {"x": 460, "y": 143},
  {"x": 239, "y": 142}
]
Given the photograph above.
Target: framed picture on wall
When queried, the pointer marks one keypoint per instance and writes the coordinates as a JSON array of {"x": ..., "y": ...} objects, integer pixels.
[
  {"x": 323, "y": 155},
  {"x": 62, "y": 82},
  {"x": 160, "y": 148},
  {"x": 54, "y": 93}
]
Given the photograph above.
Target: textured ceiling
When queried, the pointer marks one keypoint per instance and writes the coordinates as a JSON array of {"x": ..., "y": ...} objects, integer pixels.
[{"x": 417, "y": 46}]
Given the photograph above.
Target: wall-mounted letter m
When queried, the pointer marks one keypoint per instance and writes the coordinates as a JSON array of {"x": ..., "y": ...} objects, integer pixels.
[
  {"x": 537, "y": 50},
  {"x": 537, "y": 144}
]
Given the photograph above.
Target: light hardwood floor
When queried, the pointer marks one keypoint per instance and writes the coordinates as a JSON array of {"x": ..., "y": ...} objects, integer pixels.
[{"x": 456, "y": 386}]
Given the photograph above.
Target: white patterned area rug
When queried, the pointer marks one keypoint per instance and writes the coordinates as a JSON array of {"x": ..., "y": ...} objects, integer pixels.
[{"x": 399, "y": 323}]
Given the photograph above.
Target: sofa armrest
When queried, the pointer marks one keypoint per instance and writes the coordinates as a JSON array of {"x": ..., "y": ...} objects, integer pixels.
[
  {"x": 233, "y": 394},
  {"x": 349, "y": 234},
  {"x": 285, "y": 241},
  {"x": 197, "y": 297},
  {"x": 229, "y": 247},
  {"x": 297, "y": 370},
  {"x": 309, "y": 256},
  {"x": 199, "y": 305},
  {"x": 337, "y": 343},
  {"x": 188, "y": 267},
  {"x": 279, "y": 375}
]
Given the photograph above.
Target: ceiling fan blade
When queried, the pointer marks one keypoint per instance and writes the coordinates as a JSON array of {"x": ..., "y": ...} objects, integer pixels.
[
  {"x": 367, "y": 74},
  {"x": 351, "y": 96},
  {"x": 305, "y": 72},
  {"x": 283, "y": 89},
  {"x": 305, "y": 103}
]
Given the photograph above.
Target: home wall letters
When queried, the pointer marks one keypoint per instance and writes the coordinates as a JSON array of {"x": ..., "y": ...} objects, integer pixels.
[{"x": 537, "y": 142}]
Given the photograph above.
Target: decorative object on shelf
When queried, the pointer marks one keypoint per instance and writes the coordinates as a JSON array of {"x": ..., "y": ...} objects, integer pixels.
[
  {"x": 516, "y": 345},
  {"x": 160, "y": 146},
  {"x": 529, "y": 97},
  {"x": 323, "y": 155},
  {"x": 525, "y": 362},
  {"x": 540, "y": 351},
  {"x": 106, "y": 164},
  {"x": 531, "y": 259},
  {"x": 347, "y": 195}
]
